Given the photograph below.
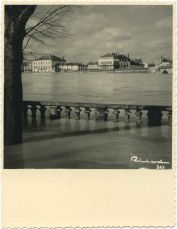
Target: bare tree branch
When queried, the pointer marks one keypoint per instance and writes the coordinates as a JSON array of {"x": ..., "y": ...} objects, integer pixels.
[
  {"x": 50, "y": 24},
  {"x": 41, "y": 22}
]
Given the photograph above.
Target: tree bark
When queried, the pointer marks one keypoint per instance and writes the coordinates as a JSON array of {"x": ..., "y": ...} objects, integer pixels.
[{"x": 15, "y": 21}]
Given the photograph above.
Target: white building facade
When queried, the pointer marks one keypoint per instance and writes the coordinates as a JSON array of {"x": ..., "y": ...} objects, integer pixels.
[
  {"x": 48, "y": 64},
  {"x": 92, "y": 66},
  {"x": 72, "y": 67},
  {"x": 113, "y": 61},
  {"x": 106, "y": 62}
]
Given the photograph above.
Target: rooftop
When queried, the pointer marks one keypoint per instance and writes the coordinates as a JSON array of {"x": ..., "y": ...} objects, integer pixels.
[
  {"x": 72, "y": 63},
  {"x": 27, "y": 63},
  {"x": 109, "y": 55},
  {"x": 163, "y": 59},
  {"x": 92, "y": 63},
  {"x": 50, "y": 57},
  {"x": 118, "y": 56}
]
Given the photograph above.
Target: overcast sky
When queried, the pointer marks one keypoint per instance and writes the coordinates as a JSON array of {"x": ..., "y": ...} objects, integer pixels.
[{"x": 141, "y": 31}]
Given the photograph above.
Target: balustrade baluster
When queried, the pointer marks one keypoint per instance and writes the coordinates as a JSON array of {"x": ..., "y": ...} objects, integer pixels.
[
  {"x": 127, "y": 113},
  {"x": 87, "y": 112},
  {"x": 33, "y": 111},
  {"x": 68, "y": 112},
  {"x": 77, "y": 112},
  {"x": 96, "y": 113},
  {"x": 116, "y": 114},
  {"x": 106, "y": 113},
  {"x": 92, "y": 113},
  {"x": 138, "y": 114},
  {"x": 52, "y": 111},
  {"x": 59, "y": 109}
]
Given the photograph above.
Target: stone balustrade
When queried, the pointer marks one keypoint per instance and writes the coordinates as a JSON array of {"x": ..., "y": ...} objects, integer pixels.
[{"x": 57, "y": 110}]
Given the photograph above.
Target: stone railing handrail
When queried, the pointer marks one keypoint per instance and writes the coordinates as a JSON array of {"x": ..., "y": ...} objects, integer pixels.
[
  {"x": 154, "y": 112},
  {"x": 100, "y": 105}
]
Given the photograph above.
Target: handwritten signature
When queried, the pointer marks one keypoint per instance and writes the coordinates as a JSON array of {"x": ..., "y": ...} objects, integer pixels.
[{"x": 139, "y": 160}]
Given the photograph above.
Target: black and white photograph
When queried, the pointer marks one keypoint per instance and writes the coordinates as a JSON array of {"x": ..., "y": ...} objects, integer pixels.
[{"x": 88, "y": 86}]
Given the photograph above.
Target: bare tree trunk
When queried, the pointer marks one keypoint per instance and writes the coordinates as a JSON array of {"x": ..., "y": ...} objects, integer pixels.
[
  {"x": 15, "y": 21},
  {"x": 13, "y": 85}
]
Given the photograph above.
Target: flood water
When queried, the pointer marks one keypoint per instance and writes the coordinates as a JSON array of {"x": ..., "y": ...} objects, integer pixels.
[
  {"x": 132, "y": 88},
  {"x": 82, "y": 143}
]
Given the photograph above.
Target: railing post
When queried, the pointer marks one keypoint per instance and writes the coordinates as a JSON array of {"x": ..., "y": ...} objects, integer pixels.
[
  {"x": 101, "y": 113},
  {"x": 106, "y": 113},
  {"x": 33, "y": 111},
  {"x": 42, "y": 110},
  {"x": 59, "y": 112},
  {"x": 138, "y": 114},
  {"x": 96, "y": 113},
  {"x": 77, "y": 112},
  {"x": 68, "y": 112},
  {"x": 127, "y": 113},
  {"x": 87, "y": 112},
  {"x": 116, "y": 114},
  {"x": 154, "y": 117}
]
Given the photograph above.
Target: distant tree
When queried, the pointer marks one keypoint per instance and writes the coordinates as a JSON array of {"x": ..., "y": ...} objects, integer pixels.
[{"x": 17, "y": 37}]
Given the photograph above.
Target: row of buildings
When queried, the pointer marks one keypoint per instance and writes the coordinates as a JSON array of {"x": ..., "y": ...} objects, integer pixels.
[
  {"x": 108, "y": 62},
  {"x": 51, "y": 63}
]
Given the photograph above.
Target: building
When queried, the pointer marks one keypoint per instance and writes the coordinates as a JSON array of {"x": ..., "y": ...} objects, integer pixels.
[
  {"x": 48, "y": 63},
  {"x": 136, "y": 62},
  {"x": 113, "y": 61},
  {"x": 92, "y": 66},
  {"x": 165, "y": 63},
  {"x": 27, "y": 66},
  {"x": 145, "y": 65},
  {"x": 165, "y": 66},
  {"x": 72, "y": 67},
  {"x": 152, "y": 67}
]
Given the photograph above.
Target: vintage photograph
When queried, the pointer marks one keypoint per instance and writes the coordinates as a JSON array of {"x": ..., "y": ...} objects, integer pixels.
[{"x": 88, "y": 86}]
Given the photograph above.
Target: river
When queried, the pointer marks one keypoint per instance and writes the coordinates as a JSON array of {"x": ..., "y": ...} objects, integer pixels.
[{"x": 132, "y": 88}]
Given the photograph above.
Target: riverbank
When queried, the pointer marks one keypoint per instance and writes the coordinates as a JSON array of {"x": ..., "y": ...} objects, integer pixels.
[{"x": 102, "y": 71}]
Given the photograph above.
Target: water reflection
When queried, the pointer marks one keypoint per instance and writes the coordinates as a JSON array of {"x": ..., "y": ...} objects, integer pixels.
[
  {"x": 42, "y": 124},
  {"x": 34, "y": 123},
  {"x": 70, "y": 127},
  {"x": 93, "y": 144}
]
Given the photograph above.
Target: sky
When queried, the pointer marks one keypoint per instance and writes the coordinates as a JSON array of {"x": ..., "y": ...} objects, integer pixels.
[{"x": 142, "y": 31}]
